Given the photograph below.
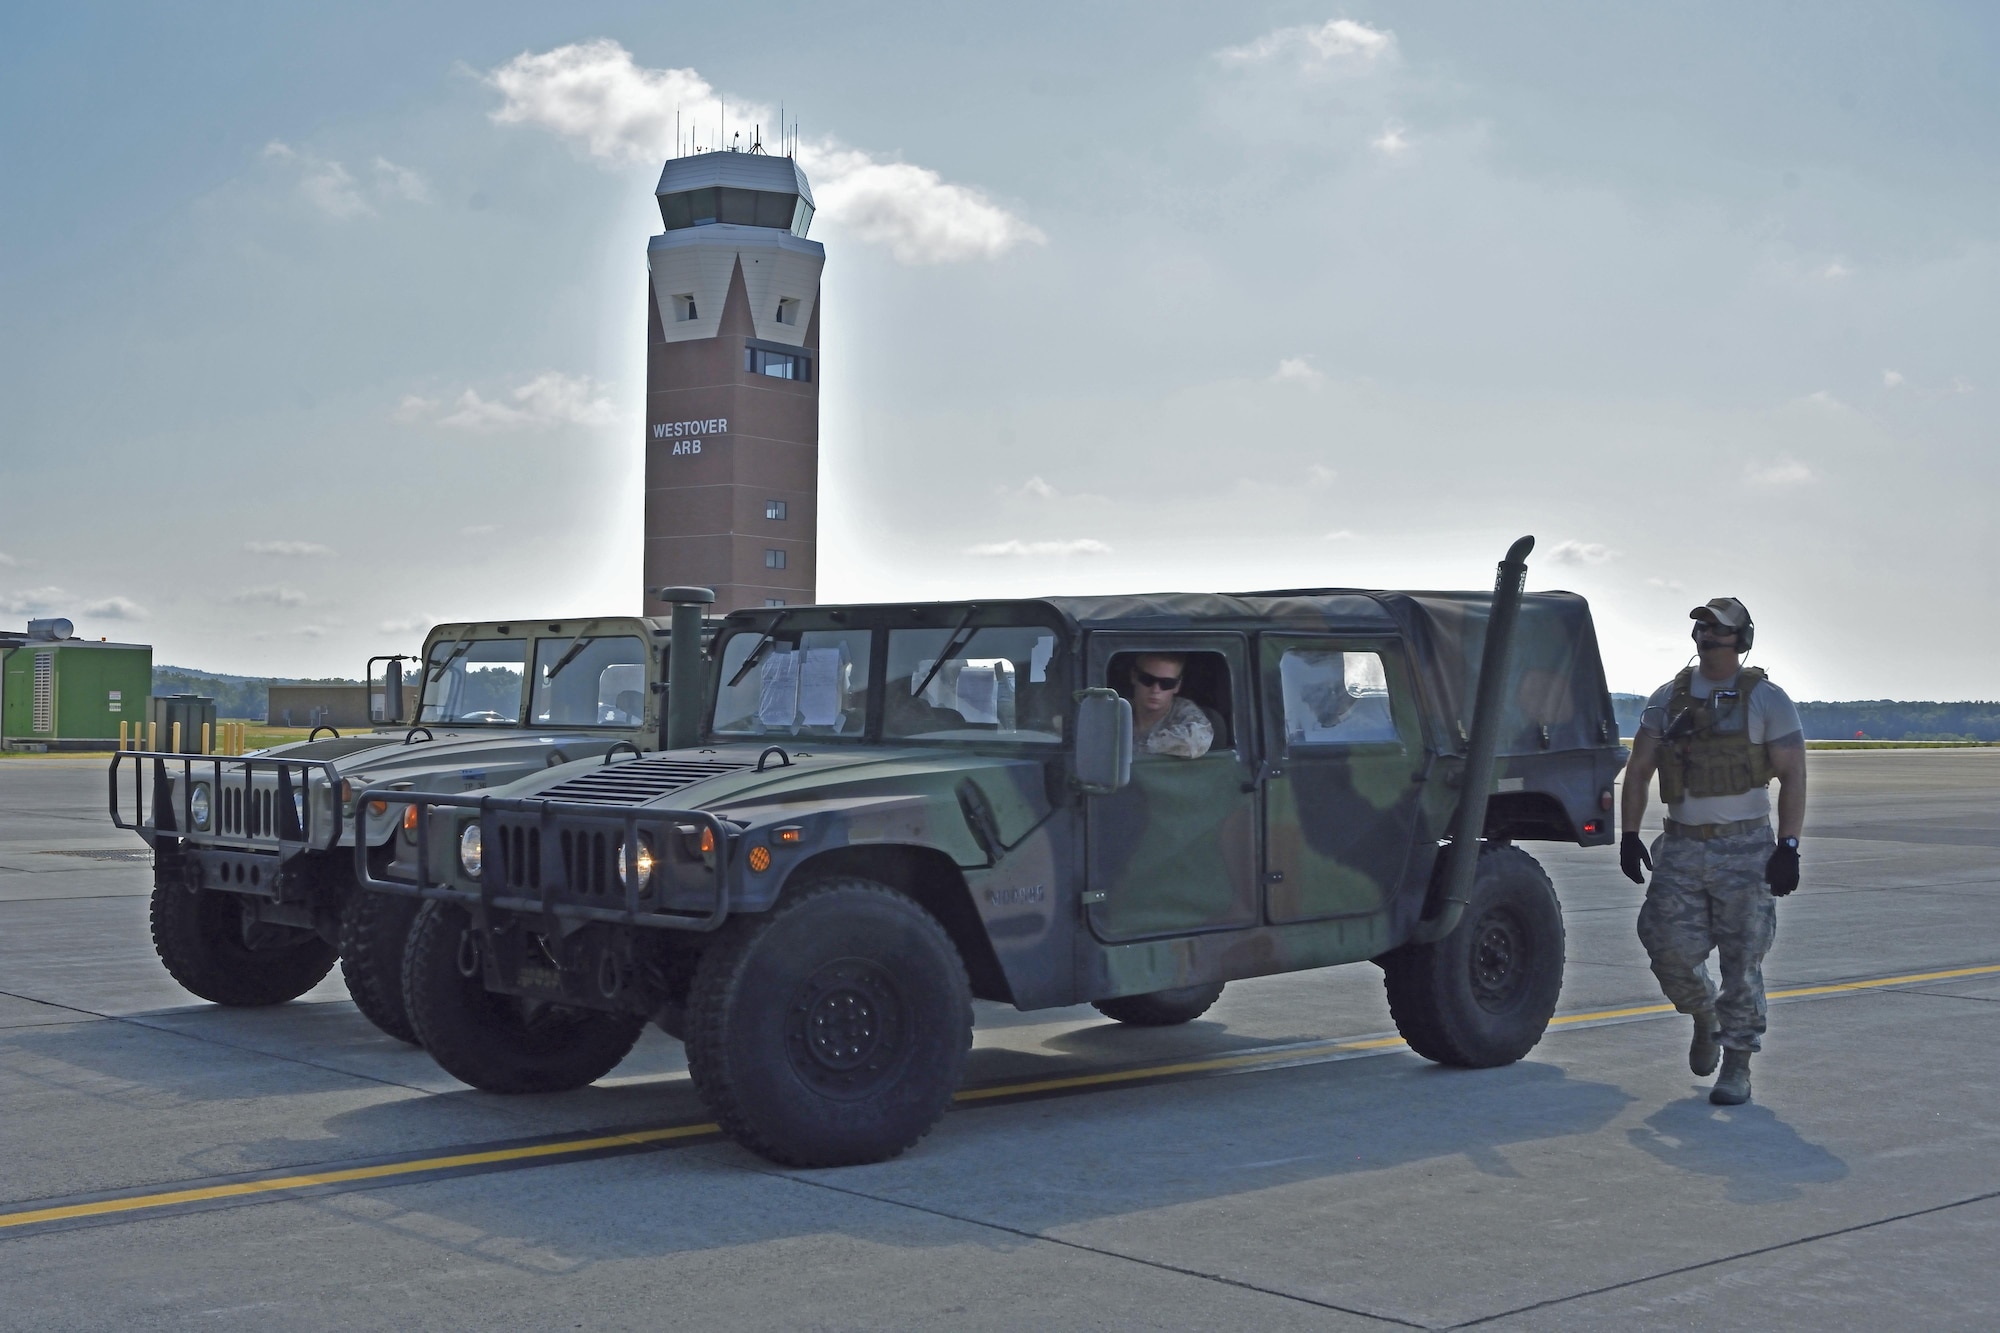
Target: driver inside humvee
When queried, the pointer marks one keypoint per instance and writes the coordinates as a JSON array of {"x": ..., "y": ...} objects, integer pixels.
[{"x": 1165, "y": 721}]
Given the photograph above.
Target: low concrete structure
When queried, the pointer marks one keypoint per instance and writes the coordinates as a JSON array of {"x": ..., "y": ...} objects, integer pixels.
[{"x": 318, "y": 705}]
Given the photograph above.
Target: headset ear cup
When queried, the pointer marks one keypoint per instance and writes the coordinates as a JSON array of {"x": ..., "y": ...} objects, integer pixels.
[{"x": 1748, "y": 634}]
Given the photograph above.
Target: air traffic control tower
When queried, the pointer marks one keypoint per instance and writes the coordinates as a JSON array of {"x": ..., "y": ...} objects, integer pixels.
[{"x": 732, "y": 383}]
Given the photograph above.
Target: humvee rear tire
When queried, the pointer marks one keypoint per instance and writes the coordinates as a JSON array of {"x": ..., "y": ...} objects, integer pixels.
[
  {"x": 832, "y": 1030},
  {"x": 1483, "y": 995},
  {"x": 1162, "y": 1008},
  {"x": 374, "y": 930},
  {"x": 199, "y": 935},
  {"x": 500, "y": 1043}
]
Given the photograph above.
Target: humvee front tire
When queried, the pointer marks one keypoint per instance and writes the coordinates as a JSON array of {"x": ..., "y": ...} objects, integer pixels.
[
  {"x": 199, "y": 935},
  {"x": 500, "y": 1043},
  {"x": 832, "y": 1030},
  {"x": 1163, "y": 1008},
  {"x": 374, "y": 931},
  {"x": 1483, "y": 995}
]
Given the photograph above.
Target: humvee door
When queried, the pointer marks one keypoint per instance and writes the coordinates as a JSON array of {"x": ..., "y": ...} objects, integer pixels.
[
  {"x": 1340, "y": 809},
  {"x": 1175, "y": 851}
]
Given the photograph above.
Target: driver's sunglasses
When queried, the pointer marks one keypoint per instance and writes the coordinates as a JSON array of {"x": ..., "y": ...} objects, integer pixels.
[
  {"x": 1167, "y": 683},
  {"x": 1718, "y": 630}
]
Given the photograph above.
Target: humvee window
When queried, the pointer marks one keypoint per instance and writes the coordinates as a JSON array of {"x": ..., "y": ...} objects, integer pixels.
[
  {"x": 1335, "y": 698},
  {"x": 1002, "y": 682},
  {"x": 794, "y": 683},
  {"x": 478, "y": 682},
  {"x": 589, "y": 683}
]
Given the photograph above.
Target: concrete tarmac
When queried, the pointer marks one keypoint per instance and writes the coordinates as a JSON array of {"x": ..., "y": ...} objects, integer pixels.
[{"x": 1344, "y": 1186}]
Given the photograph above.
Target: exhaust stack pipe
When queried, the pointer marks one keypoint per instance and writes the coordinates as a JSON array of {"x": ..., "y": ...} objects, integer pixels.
[
  {"x": 686, "y": 689},
  {"x": 1462, "y": 857}
]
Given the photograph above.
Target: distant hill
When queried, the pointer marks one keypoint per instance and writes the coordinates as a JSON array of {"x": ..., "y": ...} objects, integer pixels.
[
  {"x": 1874, "y": 719},
  {"x": 235, "y": 696}
]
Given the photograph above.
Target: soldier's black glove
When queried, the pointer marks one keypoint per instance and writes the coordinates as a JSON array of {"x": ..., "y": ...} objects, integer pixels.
[
  {"x": 1632, "y": 854},
  {"x": 1781, "y": 872}
]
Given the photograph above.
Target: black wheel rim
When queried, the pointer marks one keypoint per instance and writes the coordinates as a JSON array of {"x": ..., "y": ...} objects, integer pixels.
[
  {"x": 1502, "y": 960},
  {"x": 846, "y": 1028}
]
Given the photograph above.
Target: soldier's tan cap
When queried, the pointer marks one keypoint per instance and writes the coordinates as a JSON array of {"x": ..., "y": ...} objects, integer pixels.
[{"x": 1722, "y": 611}]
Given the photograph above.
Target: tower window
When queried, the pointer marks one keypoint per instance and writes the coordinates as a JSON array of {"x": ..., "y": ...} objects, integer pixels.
[
  {"x": 774, "y": 509},
  {"x": 778, "y": 365},
  {"x": 774, "y": 559},
  {"x": 684, "y": 308},
  {"x": 788, "y": 310}
]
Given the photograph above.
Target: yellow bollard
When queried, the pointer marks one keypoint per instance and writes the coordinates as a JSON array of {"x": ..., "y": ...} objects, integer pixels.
[
  {"x": 152, "y": 735},
  {"x": 206, "y": 748},
  {"x": 175, "y": 734},
  {"x": 121, "y": 733}
]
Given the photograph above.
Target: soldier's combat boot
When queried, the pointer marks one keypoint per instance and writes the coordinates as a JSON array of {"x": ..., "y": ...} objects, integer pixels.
[
  {"x": 1704, "y": 1050},
  {"x": 1733, "y": 1087}
]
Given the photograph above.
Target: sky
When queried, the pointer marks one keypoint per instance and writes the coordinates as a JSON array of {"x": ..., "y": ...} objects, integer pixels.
[{"x": 321, "y": 324}]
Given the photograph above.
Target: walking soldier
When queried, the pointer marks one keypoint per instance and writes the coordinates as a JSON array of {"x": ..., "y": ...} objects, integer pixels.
[{"x": 1716, "y": 734}]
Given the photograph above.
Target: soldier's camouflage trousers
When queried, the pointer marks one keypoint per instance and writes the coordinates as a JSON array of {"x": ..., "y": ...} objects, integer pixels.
[{"x": 1711, "y": 895}]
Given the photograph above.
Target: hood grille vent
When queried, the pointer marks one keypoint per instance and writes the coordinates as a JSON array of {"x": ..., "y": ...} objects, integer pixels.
[{"x": 637, "y": 781}]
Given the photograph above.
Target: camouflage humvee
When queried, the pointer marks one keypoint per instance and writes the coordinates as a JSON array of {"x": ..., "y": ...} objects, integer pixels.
[
  {"x": 892, "y": 809},
  {"x": 254, "y": 890}
]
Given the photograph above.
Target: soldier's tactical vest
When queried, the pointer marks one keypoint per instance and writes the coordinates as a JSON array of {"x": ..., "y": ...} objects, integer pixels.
[{"x": 1706, "y": 750}]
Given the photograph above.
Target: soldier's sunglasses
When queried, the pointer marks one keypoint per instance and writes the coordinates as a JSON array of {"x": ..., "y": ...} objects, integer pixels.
[{"x": 1167, "y": 683}]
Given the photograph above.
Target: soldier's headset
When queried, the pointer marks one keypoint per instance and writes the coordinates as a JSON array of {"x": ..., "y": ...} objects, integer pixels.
[{"x": 1744, "y": 636}]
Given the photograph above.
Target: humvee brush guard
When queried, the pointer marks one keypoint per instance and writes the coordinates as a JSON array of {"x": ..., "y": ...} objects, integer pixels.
[
  {"x": 254, "y": 890},
  {"x": 884, "y": 811}
]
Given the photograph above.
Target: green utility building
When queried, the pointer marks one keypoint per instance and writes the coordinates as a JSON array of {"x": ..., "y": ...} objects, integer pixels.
[{"x": 64, "y": 693}]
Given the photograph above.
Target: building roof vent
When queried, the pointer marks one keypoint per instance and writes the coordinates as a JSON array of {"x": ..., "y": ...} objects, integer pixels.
[{"x": 55, "y": 628}]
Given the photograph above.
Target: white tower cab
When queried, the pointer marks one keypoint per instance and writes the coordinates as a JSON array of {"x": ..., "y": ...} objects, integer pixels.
[{"x": 732, "y": 382}]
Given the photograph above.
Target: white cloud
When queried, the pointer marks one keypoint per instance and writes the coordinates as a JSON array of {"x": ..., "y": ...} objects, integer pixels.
[
  {"x": 1342, "y": 535},
  {"x": 1960, "y": 384},
  {"x": 332, "y": 189},
  {"x": 1080, "y": 546},
  {"x": 1036, "y": 488},
  {"x": 1670, "y": 585},
  {"x": 289, "y": 549},
  {"x": 478, "y": 529},
  {"x": 594, "y": 93},
  {"x": 1297, "y": 370},
  {"x": 549, "y": 400},
  {"x": 400, "y": 182},
  {"x": 1835, "y": 271},
  {"x": 406, "y": 624},
  {"x": 1392, "y": 142},
  {"x": 1892, "y": 379},
  {"x": 311, "y": 631},
  {"x": 1779, "y": 472},
  {"x": 1340, "y": 42},
  {"x": 920, "y": 216},
  {"x": 7, "y": 561},
  {"x": 34, "y": 601},
  {"x": 275, "y": 595},
  {"x": 115, "y": 608},
  {"x": 1580, "y": 553},
  {"x": 1319, "y": 476}
]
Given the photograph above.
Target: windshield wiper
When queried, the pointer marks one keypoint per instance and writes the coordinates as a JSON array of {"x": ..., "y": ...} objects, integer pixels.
[
  {"x": 576, "y": 645},
  {"x": 952, "y": 648},
  {"x": 758, "y": 651},
  {"x": 458, "y": 650}
]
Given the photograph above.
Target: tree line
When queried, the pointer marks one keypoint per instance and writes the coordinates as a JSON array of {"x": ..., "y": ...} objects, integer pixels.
[{"x": 1869, "y": 719}]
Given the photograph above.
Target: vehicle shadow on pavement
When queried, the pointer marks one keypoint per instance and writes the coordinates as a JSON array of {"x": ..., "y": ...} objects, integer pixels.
[{"x": 1759, "y": 1157}]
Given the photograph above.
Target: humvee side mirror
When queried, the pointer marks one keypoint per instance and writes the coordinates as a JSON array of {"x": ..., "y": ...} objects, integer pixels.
[{"x": 1103, "y": 741}]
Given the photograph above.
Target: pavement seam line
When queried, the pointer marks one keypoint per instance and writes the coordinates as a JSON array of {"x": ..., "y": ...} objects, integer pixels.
[
  {"x": 1731, "y": 1258},
  {"x": 1043, "y": 1237},
  {"x": 1267, "y": 1058}
]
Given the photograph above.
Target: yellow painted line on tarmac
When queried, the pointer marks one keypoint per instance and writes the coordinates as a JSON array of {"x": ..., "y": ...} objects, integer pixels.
[
  {"x": 1249, "y": 1060},
  {"x": 317, "y": 1179}
]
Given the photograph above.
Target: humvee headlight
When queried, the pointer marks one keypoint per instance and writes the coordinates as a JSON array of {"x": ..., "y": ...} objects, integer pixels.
[
  {"x": 642, "y": 855},
  {"x": 198, "y": 807},
  {"x": 469, "y": 850}
]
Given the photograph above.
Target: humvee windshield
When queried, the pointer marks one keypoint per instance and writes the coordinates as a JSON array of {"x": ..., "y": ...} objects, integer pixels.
[
  {"x": 474, "y": 682},
  {"x": 1003, "y": 682},
  {"x": 798, "y": 682},
  {"x": 589, "y": 682}
]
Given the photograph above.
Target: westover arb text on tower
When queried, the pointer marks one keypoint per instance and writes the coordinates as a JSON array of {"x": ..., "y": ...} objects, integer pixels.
[{"x": 732, "y": 382}]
